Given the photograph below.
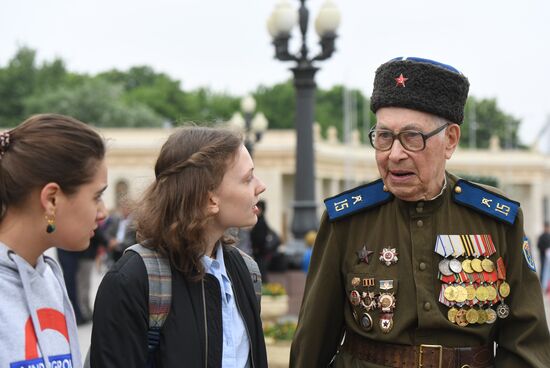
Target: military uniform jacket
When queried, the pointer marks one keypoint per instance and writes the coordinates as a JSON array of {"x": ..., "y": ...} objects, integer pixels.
[{"x": 418, "y": 316}]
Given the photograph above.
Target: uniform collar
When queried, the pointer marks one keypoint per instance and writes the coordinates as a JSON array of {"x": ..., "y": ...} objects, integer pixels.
[{"x": 425, "y": 207}]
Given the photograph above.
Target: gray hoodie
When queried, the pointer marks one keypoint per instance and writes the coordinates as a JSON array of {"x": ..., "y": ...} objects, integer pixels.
[{"x": 37, "y": 323}]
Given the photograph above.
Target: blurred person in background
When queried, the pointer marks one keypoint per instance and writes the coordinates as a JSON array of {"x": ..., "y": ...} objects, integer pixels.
[
  {"x": 120, "y": 230},
  {"x": 543, "y": 245},
  {"x": 309, "y": 240},
  {"x": 86, "y": 261},
  {"x": 264, "y": 242}
]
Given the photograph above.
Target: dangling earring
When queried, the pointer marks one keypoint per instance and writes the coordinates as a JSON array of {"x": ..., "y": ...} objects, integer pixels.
[{"x": 50, "y": 228}]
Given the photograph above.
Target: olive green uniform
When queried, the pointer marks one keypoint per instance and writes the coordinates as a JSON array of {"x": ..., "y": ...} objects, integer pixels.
[{"x": 418, "y": 317}]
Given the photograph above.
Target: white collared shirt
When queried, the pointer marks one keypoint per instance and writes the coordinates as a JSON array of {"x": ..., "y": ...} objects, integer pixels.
[{"x": 236, "y": 346}]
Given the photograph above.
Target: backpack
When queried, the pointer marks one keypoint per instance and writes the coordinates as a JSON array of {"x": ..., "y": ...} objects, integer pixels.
[{"x": 160, "y": 293}]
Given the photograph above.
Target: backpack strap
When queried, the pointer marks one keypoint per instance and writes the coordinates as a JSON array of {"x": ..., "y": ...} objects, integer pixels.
[
  {"x": 255, "y": 274},
  {"x": 160, "y": 292},
  {"x": 159, "y": 276}
]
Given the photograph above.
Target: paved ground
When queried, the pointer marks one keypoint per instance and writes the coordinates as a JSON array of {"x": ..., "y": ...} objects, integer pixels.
[{"x": 277, "y": 352}]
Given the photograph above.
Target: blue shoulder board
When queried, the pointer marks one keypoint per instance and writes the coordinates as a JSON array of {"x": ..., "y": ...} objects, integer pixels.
[
  {"x": 357, "y": 199},
  {"x": 482, "y": 200}
]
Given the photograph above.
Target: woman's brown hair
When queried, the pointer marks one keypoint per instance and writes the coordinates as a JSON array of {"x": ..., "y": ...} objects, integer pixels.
[
  {"x": 172, "y": 216},
  {"x": 43, "y": 149}
]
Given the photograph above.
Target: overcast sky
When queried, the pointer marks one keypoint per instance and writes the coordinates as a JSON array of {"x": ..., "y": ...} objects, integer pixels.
[{"x": 502, "y": 46}]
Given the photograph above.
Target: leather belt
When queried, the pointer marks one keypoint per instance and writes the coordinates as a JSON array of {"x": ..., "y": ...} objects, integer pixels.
[{"x": 419, "y": 356}]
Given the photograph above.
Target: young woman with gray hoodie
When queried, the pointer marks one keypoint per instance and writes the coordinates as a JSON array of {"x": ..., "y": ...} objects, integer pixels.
[{"x": 52, "y": 176}]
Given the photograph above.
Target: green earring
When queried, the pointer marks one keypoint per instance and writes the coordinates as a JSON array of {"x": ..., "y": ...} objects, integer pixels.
[{"x": 50, "y": 228}]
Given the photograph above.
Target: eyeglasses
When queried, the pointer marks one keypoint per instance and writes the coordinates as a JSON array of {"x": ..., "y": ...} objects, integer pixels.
[{"x": 411, "y": 140}]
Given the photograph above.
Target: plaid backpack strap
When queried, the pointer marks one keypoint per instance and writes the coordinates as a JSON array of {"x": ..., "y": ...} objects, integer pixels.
[
  {"x": 160, "y": 292},
  {"x": 255, "y": 274}
]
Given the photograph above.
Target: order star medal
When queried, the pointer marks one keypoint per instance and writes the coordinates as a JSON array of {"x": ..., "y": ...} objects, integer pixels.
[
  {"x": 388, "y": 256},
  {"x": 386, "y": 303}
]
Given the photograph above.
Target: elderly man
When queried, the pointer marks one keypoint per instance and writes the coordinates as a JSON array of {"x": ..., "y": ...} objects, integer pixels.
[{"x": 421, "y": 268}]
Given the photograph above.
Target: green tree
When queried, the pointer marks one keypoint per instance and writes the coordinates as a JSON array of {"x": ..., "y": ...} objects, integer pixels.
[
  {"x": 22, "y": 78},
  {"x": 164, "y": 95},
  {"x": 278, "y": 103},
  {"x": 142, "y": 85},
  {"x": 490, "y": 120},
  {"x": 330, "y": 105},
  {"x": 94, "y": 101},
  {"x": 206, "y": 106},
  {"x": 143, "y": 97}
]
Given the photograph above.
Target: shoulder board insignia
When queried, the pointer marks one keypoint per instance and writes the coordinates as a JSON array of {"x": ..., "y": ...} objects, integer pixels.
[
  {"x": 482, "y": 200},
  {"x": 357, "y": 199}
]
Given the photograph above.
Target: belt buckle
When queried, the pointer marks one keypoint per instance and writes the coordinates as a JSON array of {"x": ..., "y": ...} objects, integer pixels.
[{"x": 421, "y": 352}]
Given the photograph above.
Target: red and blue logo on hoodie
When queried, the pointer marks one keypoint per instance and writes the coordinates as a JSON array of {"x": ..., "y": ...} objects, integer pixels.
[{"x": 49, "y": 319}]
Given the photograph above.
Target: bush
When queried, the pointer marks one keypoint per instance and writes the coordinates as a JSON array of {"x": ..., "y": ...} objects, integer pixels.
[
  {"x": 280, "y": 330},
  {"x": 273, "y": 289}
]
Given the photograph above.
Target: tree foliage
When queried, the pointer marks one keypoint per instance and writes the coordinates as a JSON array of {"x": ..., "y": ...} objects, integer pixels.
[
  {"x": 94, "y": 101},
  {"x": 141, "y": 97},
  {"x": 22, "y": 78},
  {"x": 489, "y": 120}
]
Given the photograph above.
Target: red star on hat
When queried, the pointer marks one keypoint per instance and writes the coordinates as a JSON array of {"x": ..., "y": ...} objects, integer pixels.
[{"x": 401, "y": 80}]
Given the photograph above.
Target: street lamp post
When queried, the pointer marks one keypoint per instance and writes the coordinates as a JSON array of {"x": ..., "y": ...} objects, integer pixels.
[
  {"x": 280, "y": 24},
  {"x": 252, "y": 125}
]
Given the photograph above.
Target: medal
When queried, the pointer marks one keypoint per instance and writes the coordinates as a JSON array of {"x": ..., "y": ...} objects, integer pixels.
[
  {"x": 476, "y": 265},
  {"x": 386, "y": 322},
  {"x": 470, "y": 292},
  {"x": 467, "y": 266},
  {"x": 444, "y": 267},
  {"x": 487, "y": 265},
  {"x": 455, "y": 265},
  {"x": 504, "y": 289},
  {"x": 366, "y": 322},
  {"x": 482, "y": 316},
  {"x": 364, "y": 254},
  {"x": 491, "y": 315},
  {"x": 369, "y": 301},
  {"x": 368, "y": 282},
  {"x": 388, "y": 256},
  {"x": 354, "y": 297},
  {"x": 355, "y": 281},
  {"x": 451, "y": 314},
  {"x": 472, "y": 316},
  {"x": 491, "y": 292},
  {"x": 385, "y": 284},
  {"x": 481, "y": 293},
  {"x": 386, "y": 302},
  {"x": 460, "y": 318},
  {"x": 450, "y": 293},
  {"x": 461, "y": 294},
  {"x": 503, "y": 310}
]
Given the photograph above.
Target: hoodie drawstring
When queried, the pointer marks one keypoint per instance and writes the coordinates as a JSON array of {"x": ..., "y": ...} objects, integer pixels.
[{"x": 22, "y": 268}]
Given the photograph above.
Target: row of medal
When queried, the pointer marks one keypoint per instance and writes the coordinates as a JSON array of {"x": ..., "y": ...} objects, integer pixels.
[
  {"x": 365, "y": 300},
  {"x": 474, "y": 285}
]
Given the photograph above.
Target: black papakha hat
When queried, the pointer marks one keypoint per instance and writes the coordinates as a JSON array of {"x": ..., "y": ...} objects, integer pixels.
[{"x": 421, "y": 84}]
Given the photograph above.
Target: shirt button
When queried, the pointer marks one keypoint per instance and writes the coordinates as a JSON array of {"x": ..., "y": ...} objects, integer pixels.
[
  {"x": 427, "y": 306},
  {"x": 420, "y": 223},
  {"x": 422, "y": 266},
  {"x": 419, "y": 209}
]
